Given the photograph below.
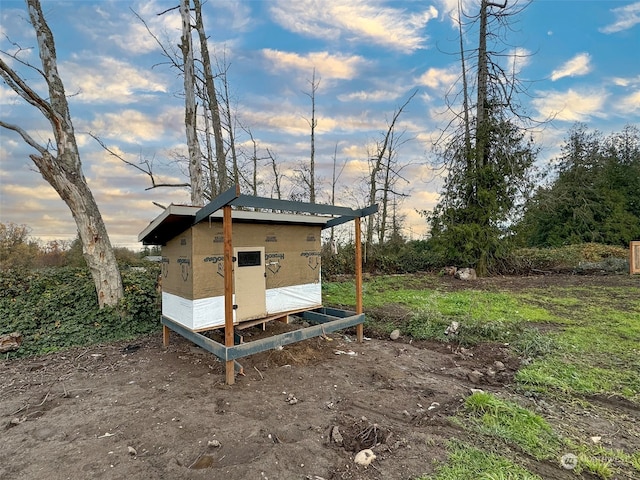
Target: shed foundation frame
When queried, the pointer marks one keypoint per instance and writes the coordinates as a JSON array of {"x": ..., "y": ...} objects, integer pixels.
[{"x": 326, "y": 320}]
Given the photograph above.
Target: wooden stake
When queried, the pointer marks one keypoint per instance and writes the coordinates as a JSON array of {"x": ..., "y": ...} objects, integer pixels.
[
  {"x": 228, "y": 290},
  {"x": 358, "y": 266},
  {"x": 165, "y": 336}
]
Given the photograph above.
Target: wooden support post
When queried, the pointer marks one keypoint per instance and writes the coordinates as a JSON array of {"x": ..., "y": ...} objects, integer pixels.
[
  {"x": 165, "y": 336},
  {"x": 634, "y": 258},
  {"x": 358, "y": 267},
  {"x": 228, "y": 290}
]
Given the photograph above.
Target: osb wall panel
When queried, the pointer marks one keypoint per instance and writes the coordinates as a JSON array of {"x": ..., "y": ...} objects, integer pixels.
[
  {"x": 208, "y": 255},
  {"x": 177, "y": 266},
  {"x": 292, "y": 254}
]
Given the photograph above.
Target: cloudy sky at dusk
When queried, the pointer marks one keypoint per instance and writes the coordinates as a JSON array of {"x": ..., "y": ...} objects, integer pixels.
[{"x": 578, "y": 59}]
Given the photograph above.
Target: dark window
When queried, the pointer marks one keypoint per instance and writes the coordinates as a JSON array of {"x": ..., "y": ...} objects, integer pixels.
[{"x": 249, "y": 259}]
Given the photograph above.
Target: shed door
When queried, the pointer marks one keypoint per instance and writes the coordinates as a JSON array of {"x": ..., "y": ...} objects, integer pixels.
[{"x": 250, "y": 283}]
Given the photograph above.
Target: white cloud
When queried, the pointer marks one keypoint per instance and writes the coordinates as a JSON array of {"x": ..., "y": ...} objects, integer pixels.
[
  {"x": 625, "y": 18},
  {"x": 122, "y": 28},
  {"x": 44, "y": 196},
  {"x": 240, "y": 13},
  {"x": 621, "y": 82},
  {"x": 450, "y": 8},
  {"x": 167, "y": 28},
  {"x": 128, "y": 125},
  {"x": 439, "y": 78},
  {"x": 293, "y": 123},
  {"x": 328, "y": 67},
  {"x": 108, "y": 81},
  {"x": 358, "y": 20},
  {"x": 518, "y": 59},
  {"x": 630, "y": 103},
  {"x": 578, "y": 65},
  {"x": 570, "y": 106},
  {"x": 626, "y": 81},
  {"x": 370, "y": 96},
  {"x": 135, "y": 40},
  {"x": 8, "y": 96},
  {"x": 357, "y": 167}
]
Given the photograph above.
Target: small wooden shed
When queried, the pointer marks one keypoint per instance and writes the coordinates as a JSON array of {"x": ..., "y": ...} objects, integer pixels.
[{"x": 242, "y": 260}]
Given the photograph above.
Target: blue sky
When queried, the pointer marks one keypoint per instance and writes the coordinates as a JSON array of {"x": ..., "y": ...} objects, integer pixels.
[{"x": 579, "y": 60}]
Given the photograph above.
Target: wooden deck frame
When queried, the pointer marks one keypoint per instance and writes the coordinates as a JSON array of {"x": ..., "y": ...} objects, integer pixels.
[{"x": 327, "y": 320}]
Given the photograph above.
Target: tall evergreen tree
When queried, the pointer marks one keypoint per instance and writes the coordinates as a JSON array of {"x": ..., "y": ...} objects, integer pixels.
[
  {"x": 486, "y": 154},
  {"x": 593, "y": 194}
]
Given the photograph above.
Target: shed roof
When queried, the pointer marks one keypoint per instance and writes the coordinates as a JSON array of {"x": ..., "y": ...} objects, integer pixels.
[{"x": 177, "y": 218}]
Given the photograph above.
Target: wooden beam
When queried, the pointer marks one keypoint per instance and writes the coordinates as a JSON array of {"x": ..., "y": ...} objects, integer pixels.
[
  {"x": 228, "y": 289},
  {"x": 358, "y": 267},
  {"x": 165, "y": 336}
]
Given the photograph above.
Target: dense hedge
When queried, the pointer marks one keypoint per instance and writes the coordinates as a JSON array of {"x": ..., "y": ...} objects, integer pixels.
[
  {"x": 417, "y": 256},
  {"x": 570, "y": 258},
  {"x": 54, "y": 308}
]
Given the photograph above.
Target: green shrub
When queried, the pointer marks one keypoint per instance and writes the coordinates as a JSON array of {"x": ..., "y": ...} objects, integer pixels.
[{"x": 56, "y": 308}]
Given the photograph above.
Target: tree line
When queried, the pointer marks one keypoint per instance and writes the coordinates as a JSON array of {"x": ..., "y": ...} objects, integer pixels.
[
  {"x": 486, "y": 205},
  {"x": 20, "y": 250}
]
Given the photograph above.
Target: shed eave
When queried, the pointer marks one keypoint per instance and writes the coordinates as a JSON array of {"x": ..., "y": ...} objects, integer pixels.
[
  {"x": 178, "y": 218},
  {"x": 173, "y": 214}
]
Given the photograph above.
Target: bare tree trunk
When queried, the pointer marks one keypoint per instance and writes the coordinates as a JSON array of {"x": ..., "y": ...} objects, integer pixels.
[
  {"x": 230, "y": 126},
  {"x": 465, "y": 106},
  {"x": 64, "y": 171},
  {"x": 313, "y": 123},
  {"x": 190, "y": 111},
  {"x": 254, "y": 161},
  {"x": 483, "y": 124},
  {"x": 334, "y": 180},
  {"x": 382, "y": 226},
  {"x": 481, "y": 115},
  {"x": 214, "y": 108},
  {"x": 375, "y": 167},
  {"x": 213, "y": 182},
  {"x": 276, "y": 176},
  {"x": 96, "y": 246}
]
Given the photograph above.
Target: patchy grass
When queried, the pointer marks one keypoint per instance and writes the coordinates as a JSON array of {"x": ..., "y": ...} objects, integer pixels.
[
  {"x": 483, "y": 316},
  {"x": 490, "y": 415},
  {"x": 598, "y": 344},
  {"x": 593, "y": 346},
  {"x": 575, "y": 342},
  {"x": 578, "y": 377},
  {"x": 469, "y": 462}
]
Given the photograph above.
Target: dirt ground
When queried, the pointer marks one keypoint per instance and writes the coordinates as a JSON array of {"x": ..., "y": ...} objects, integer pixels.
[{"x": 140, "y": 411}]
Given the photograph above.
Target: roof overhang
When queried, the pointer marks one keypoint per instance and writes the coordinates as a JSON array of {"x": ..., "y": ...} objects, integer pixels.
[{"x": 178, "y": 218}]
